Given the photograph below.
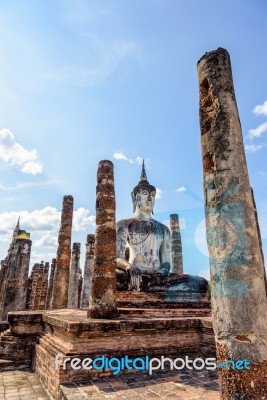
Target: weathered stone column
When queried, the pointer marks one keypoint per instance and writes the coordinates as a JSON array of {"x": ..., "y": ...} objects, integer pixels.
[
  {"x": 237, "y": 270},
  {"x": 62, "y": 271},
  {"x": 102, "y": 303},
  {"x": 50, "y": 285},
  {"x": 73, "y": 296},
  {"x": 176, "y": 245},
  {"x": 80, "y": 286},
  {"x": 88, "y": 269},
  {"x": 38, "y": 282},
  {"x": 16, "y": 275}
]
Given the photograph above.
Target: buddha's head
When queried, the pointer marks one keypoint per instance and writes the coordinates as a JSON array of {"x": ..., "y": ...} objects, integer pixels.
[{"x": 143, "y": 195}]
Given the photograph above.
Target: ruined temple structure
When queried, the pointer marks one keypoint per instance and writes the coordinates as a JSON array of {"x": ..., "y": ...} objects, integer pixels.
[
  {"x": 237, "y": 267},
  {"x": 14, "y": 273},
  {"x": 142, "y": 307},
  {"x": 117, "y": 322},
  {"x": 38, "y": 287}
]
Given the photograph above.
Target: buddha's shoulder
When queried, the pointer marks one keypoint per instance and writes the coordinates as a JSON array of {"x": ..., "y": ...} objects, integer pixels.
[
  {"x": 134, "y": 222},
  {"x": 125, "y": 223},
  {"x": 159, "y": 225}
]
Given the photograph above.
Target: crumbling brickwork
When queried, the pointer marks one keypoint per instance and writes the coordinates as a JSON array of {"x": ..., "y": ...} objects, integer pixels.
[
  {"x": 14, "y": 274},
  {"x": 88, "y": 269},
  {"x": 102, "y": 302},
  {"x": 73, "y": 296},
  {"x": 176, "y": 245},
  {"x": 62, "y": 271},
  {"x": 50, "y": 285},
  {"x": 38, "y": 286}
]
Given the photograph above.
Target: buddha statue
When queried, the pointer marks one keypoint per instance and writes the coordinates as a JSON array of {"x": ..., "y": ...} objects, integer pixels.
[{"x": 149, "y": 264}]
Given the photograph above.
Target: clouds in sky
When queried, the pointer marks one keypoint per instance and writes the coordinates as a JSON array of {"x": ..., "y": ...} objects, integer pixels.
[
  {"x": 121, "y": 156},
  {"x": 107, "y": 50},
  {"x": 258, "y": 132},
  {"x": 159, "y": 193},
  {"x": 261, "y": 109},
  {"x": 255, "y": 133},
  {"x": 252, "y": 148},
  {"x": 43, "y": 225},
  {"x": 14, "y": 153},
  {"x": 181, "y": 189}
]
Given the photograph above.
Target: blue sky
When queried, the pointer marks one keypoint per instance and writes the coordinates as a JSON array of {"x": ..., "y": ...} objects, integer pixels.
[{"x": 82, "y": 81}]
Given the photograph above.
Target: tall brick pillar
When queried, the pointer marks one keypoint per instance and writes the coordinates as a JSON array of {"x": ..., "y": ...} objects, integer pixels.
[
  {"x": 62, "y": 271},
  {"x": 102, "y": 303},
  {"x": 50, "y": 285},
  {"x": 176, "y": 245},
  {"x": 237, "y": 271},
  {"x": 88, "y": 269},
  {"x": 73, "y": 297}
]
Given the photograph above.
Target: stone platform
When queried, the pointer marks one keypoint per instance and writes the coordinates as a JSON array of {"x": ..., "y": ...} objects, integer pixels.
[{"x": 35, "y": 338}]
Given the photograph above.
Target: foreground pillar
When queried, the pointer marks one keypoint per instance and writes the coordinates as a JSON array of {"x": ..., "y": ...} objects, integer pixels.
[
  {"x": 73, "y": 296},
  {"x": 176, "y": 245},
  {"x": 237, "y": 271},
  {"x": 88, "y": 269},
  {"x": 62, "y": 271},
  {"x": 102, "y": 303}
]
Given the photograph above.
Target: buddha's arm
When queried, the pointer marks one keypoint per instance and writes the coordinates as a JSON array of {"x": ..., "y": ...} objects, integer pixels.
[
  {"x": 165, "y": 254},
  {"x": 122, "y": 238}
]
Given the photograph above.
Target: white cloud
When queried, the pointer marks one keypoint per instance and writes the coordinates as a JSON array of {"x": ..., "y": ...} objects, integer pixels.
[
  {"x": 14, "y": 153},
  {"x": 261, "y": 109},
  {"x": 257, "y": 132},
  {"x": 45, "y": 219},
  {"x": 82, "y": 219},
  {"x": 46, "y": 240},
  {"x": 181, "y": 189},
  {"x": 159, "y": 193},
  {"x": 139, "y": 160},
  {"x": 252, "y": 148},
  {"x": 121, "y": 156}
]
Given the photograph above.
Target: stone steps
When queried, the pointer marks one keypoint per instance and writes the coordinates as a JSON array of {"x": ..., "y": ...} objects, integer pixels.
[
  {"x": 168, "y": 312},
  {"x": 10, "y": 365},
  {"x": 15, "y": 351}
]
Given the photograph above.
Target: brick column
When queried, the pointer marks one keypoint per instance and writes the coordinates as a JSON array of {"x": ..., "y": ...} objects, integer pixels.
[
  {"x": 73, "y": 296},
  {"x": 102, "y": 303},
  {"x": 176, "y": 245},
  {"x": 50, "y": 285},
  {"x": 88, "y": 269},
  {"x": 237, "y": 270},
  {"x": 62, "y": 271}
]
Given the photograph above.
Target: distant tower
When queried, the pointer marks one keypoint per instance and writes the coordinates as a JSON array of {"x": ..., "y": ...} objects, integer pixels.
[{"x": 14, "y": 273}]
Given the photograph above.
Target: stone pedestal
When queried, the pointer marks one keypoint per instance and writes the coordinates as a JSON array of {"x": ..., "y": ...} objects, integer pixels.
[{"x": 70, "y": 335}]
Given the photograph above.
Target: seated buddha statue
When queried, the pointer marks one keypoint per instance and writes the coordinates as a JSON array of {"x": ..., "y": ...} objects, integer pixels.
[{"x": 149, "y": 264}]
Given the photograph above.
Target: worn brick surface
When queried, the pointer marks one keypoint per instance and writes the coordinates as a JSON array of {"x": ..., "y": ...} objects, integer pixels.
[
  {"x": 186, "y": 385},
  {"x": 21, "y": 385}
]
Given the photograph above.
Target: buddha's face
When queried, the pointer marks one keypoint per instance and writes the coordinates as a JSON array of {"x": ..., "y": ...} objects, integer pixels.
[{"x": 146, "y": 200}]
